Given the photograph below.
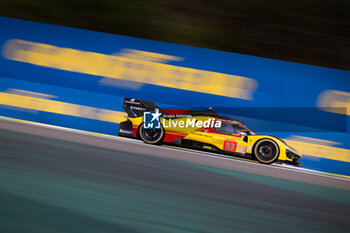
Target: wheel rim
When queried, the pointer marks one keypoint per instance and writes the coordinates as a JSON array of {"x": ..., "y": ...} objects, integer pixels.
[
  {"x": 266, "y": 152},
  {"x": 151, "y": 134}
]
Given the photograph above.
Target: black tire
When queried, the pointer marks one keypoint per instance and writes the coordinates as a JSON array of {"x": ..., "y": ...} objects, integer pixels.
[
  {"x": 152, "y": 136},
  {"x": 266, "y": 151}
]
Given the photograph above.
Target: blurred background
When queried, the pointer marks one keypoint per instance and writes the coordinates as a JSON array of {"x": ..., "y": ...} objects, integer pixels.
[
  {"x": 281, "y": 67},
  {"x": 311, "y": 32}
]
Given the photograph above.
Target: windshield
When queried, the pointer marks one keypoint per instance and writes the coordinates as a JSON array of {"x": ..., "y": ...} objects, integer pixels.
[
  {"x": 237, "y": 128},
  {"x": 243, "y": 129}
]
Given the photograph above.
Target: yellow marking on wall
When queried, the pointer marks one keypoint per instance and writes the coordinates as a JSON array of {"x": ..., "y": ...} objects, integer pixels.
[
  {"x": 142, "y": 55},
  {"x": 321, "y": 151},
  {"x": 130, "y": 69},
  {"x": 334, "y": 101},
  {"x": 313, "y": 140},
  {"x": 46, "y": 105},
  {"x": 29, "y": 93}
]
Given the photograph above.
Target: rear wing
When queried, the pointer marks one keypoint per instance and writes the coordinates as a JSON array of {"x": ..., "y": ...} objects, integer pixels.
[{"x": 136, "y": 107}]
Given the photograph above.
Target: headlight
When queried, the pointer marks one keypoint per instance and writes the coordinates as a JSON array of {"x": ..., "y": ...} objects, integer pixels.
[{"x": 289, "y": 154}]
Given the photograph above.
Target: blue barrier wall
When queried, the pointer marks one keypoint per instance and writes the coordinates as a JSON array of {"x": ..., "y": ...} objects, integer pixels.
[{"x": 78, "y": 78}]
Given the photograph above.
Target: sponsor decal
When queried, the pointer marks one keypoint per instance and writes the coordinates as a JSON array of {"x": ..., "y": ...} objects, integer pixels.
[
  {"x": 177, "y": 116},
  {"x": 151, "y": 120},
  {"x": 249, "y": 149},
  {"x": 191, "y": 122},
  {"x": 230, "y": 145},
  {"x": 126, "y": 131},
  {"x": 131, "y": 101},
  {"x": 137, "y": 108}
]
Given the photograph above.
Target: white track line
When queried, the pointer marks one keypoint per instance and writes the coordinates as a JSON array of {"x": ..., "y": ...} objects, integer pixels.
[{"x": 282, "y": 167}]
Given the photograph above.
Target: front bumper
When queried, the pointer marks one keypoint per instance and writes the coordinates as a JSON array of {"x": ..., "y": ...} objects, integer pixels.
[
  {"x": 293, "y": 158},
  {"x": 294, "y": 162}
]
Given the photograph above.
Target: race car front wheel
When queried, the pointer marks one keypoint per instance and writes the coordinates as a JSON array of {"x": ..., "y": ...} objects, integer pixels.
[
  {"x": 266, "y": 151},
  {"x": 151, "y": 136}
]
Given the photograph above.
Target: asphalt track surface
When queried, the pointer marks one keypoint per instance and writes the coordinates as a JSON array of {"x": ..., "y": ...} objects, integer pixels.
[{"x": 59, "y": 180}]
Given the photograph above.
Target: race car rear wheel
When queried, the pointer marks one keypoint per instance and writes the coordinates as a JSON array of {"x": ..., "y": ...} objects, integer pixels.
[
  {"x": 152, "y": 136},
  {"x": 266, "y": 151}
]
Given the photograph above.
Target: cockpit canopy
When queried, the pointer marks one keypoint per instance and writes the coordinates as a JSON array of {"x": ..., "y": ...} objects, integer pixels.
[{"x": 234, "y": 128}]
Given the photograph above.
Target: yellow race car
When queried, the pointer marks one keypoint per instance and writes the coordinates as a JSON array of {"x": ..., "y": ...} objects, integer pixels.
[{"x": 204, "y": 130}]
